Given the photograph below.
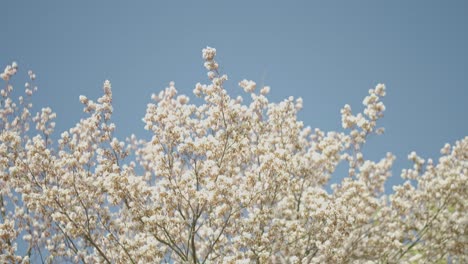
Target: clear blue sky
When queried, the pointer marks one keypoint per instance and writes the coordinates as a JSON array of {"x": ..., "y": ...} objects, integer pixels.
[{"x": 327, "y": 52}]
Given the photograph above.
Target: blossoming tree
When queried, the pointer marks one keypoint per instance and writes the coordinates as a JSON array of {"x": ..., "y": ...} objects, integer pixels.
[{"x": 220, "y": 182}]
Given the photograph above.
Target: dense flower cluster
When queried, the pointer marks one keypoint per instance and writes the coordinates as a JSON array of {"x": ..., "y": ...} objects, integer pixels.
[{"x": 220, "y": 182}]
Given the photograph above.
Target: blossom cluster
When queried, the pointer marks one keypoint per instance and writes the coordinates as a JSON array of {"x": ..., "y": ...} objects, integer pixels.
[{"x": 219, "y": 182}]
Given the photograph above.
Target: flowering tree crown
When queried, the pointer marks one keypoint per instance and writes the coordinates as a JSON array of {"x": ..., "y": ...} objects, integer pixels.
[{"x": 220, "y": 182}]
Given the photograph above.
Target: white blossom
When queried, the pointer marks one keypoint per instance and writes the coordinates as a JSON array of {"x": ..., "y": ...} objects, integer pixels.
[{"x": 222, "y": 181}]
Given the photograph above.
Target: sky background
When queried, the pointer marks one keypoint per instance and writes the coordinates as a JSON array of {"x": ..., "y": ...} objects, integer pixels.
[{"x": 327, "y": 52}]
